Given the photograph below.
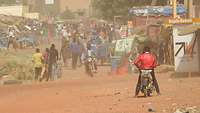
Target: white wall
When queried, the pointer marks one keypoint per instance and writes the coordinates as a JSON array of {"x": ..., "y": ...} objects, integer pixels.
[
  {"x": 12, "y": 10},
  {"x": 186, "y": 54},
  {"x": 31, "y": 15}
]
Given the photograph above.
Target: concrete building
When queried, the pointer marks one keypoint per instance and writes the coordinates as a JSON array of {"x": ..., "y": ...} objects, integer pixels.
[
  {"x": 57, "y": 7},
  {"x": 19, "y": 10},
  {"x": 43, "y": 7},
  {"x": 15, "y": 10},
  {"x": 193, "y": 7}
]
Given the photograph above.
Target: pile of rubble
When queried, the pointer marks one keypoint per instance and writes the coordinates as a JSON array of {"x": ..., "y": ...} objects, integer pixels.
[
  {"x": 15, "y": 66},
  {"x": 193, "y": 109},
  {"x": 24, "y": 31}
]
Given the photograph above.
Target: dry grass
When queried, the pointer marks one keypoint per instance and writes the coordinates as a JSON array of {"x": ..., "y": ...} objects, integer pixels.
[{"x": 16, "y": 65}]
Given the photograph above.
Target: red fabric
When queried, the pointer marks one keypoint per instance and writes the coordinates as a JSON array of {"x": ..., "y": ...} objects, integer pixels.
[
  {"x": 46, "y": 56},
  {"x": 146, "y": 61}
]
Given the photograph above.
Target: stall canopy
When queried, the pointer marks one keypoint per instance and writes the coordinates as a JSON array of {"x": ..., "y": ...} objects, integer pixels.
[
  {"x": 187, "y": 29},
  {"x": 156, "y": 10}
]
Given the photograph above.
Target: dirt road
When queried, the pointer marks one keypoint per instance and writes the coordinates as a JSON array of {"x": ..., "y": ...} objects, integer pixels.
[{"x": 78, "y": 93}]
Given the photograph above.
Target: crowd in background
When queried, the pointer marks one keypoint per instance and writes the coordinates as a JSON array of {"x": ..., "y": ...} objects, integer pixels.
[
  {"x": 75, "y": 40},
  {"x": 76, "y": 37}
]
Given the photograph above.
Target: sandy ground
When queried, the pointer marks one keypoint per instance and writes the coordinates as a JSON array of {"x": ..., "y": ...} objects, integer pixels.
[{"x": 78, "y": 93}]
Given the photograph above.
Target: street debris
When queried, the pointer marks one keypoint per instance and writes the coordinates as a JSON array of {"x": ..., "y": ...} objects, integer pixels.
[{"x": 193, "y": 109}]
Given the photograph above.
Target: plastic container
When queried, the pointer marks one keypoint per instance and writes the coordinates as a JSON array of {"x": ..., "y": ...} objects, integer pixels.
[{"x": 115, "y": 61}]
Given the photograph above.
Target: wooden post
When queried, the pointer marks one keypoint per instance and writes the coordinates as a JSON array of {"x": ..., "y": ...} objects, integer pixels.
[
  {"x": 186, "y": 4},
  {"x": 190, "y": 9},
  {"x": 174, "y": 9}
]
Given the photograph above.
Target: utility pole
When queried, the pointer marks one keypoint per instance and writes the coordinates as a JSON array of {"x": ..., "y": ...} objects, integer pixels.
[
  {"x": 174, "y": 8},
  {"x": 190, "y": 9},
  {"x": 91, "y": 8}
]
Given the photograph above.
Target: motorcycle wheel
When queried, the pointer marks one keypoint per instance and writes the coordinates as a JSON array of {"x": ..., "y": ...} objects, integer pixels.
[
  {"x": 90, "y": 70},
  {"x": 148, "y": 93},
  {"x": 145, "y": 92}
]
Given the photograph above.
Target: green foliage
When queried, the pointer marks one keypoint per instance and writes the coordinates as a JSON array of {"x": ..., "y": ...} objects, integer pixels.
[
  {"x": 16, "y": 65},
  {"x": 67, "y": 14},
  {"x": 107, "y": 9},
  {"x": 81, "y": 12},
  {"x": 110, "y": 8},
  {"x": 162, "y": 2},
  {"x": 7, "y": 2}
]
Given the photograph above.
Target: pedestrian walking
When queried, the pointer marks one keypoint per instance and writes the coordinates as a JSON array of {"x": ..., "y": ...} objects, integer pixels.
[
  {"x": 80, "y": 51},
  {"x": 45, "y": 73},
  {"x": 38, "y": 63},
  {"x": 65, "y": 53},
  {"x": 75, "y": 50},
  {"x": 11, "y": 39},
  {"x": 53, "y": 58}
]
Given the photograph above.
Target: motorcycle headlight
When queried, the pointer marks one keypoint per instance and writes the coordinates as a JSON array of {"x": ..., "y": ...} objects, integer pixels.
[{"x": 89, "y": 59}]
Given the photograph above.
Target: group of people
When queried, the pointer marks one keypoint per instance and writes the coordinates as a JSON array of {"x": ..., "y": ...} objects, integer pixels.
[
  {"x": 77, "y": 45},
  {"x": 24, "y": 35},
  {"x": 76, "y": 40},
  {"x": 46, "y": 64}
]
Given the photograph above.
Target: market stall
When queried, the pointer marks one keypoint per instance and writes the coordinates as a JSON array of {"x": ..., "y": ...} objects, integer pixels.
[
  {"x": 187, "y": 48},
  {"x": 124, "y": 50}
]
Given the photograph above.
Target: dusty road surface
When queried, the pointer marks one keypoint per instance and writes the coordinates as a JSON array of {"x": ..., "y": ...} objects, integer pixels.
[{"x": 78, "y": 93}]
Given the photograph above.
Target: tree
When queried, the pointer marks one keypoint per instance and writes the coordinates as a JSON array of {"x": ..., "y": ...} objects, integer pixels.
[
  {"x": 67, "y": 14},
  {"x": 107, "y": 9},
  {"x": 162, "y": 2},
  {"x": 80, "y": 12},
  {"x": 153, "y": 2}
]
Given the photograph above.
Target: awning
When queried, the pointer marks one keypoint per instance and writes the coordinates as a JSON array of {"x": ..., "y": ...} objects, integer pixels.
[
  {"x": 156, "y": 10},
  {"x": 187, "y": 29}
]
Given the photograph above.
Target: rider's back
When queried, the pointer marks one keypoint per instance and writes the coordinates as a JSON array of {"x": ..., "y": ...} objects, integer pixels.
[{"x": 146, "y": 61}]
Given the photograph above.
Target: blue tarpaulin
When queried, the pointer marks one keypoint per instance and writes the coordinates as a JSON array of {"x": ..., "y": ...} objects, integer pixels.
[
  {"x": 29, "y": 40},
  {"x": 156, "y": 10}
]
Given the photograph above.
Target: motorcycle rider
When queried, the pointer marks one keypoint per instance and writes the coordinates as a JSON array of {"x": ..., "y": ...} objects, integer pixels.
[
  {"x": 146, "y": 61},
  {"x": 90, "y": 53}
]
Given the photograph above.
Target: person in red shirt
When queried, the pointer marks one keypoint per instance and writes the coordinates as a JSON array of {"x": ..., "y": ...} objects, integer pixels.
[{"x": 146, "y": 61}]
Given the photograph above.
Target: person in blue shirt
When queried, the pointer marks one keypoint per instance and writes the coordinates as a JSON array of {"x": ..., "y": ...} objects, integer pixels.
[{"x": 76, "y": 50}]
